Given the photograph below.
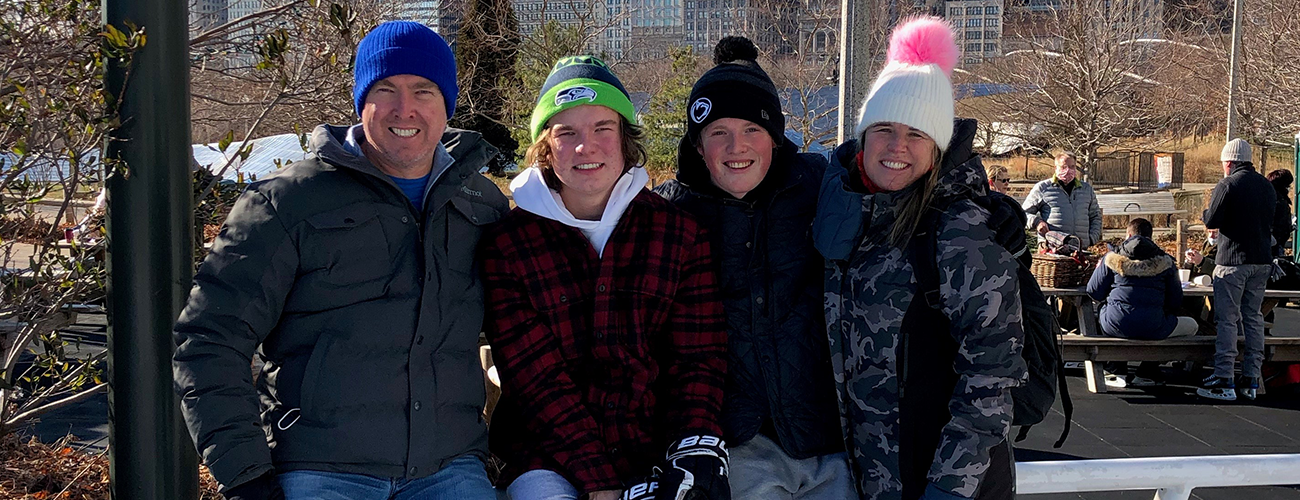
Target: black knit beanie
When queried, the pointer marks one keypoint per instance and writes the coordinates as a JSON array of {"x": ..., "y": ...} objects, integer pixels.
[{"x": 736, "y": 88}]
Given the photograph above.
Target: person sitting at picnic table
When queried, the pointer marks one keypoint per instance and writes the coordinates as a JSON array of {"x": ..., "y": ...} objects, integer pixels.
[
  {"x": 1202, "y": 262},
  {"x": 1139, "y": 289}
]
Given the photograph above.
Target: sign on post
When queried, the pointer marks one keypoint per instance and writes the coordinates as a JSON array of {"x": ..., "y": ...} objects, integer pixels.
[{"x": 1164, "y": 170}]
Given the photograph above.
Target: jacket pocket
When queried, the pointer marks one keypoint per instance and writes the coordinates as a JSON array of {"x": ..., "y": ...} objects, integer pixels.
[
  {"x": 465, "y": 224},
  {"x": 346, "y": 246},
  {"x": 644, "y": 310},
  {"x": 310, "y": 408},
  {"x": 566, "y": 310}
]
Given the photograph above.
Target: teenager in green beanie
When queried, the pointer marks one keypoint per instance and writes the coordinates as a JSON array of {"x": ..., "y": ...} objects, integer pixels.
[{"x": 605, "y": 320}]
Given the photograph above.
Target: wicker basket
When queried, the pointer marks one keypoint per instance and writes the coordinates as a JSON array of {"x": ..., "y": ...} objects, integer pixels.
[{"x": 1062, "y": 271}]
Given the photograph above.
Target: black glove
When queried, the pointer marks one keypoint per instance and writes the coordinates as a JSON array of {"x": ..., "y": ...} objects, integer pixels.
[
  {"x": 643, "y": 489},
  {"x": 264, "y": 487},
  {"x": 696, "y": 469}
]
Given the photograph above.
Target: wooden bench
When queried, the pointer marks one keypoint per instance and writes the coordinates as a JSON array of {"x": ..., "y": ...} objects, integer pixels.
[
  {"x": 1139, "y": 204},
  {"x": 1093, "y": 350}
]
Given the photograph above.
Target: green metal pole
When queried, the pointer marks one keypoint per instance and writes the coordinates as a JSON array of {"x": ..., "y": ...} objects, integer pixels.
[
  {"x": 1295, "y": 203},
  {"x": 150, "y": 264}
]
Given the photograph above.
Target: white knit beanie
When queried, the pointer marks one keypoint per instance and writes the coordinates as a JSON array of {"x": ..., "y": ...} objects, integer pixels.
[
  {"x": 914, "y": 87},
  {"x": 1235, "y": 150}
]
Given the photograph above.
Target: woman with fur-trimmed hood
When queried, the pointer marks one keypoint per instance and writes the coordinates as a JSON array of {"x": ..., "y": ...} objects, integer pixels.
[{"x": 1138, "y": 287}]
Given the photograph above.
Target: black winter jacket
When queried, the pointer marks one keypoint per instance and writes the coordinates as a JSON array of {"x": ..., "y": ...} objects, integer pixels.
[
  {"x": 1282, "y": 227},
  {"x": 1242, "y": 209},
  {"x": 366, "y": 313},
  {"x": 779, "y": 378}
]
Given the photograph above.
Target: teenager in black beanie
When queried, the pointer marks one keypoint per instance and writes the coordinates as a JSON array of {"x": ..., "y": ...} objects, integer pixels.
[
  {"x": 757, "y": 195},
  {"x": 736, "y": 88}
]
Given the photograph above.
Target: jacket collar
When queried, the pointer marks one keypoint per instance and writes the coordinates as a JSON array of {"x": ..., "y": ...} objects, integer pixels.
[
  {"x": 465, "y": 148},
  {"x": 1135, "y": 268},
  {"x": 842, "y": 206},
  {"x": 1241, "y": 168},
  {"x": 1138, "y": 256}
]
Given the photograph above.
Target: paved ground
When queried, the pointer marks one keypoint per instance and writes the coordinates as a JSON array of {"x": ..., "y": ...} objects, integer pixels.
[
  {"x": 1167, "y": 421},
  {"x": 1172, "y": 421},
  {"x": 1164, "y": 421}
]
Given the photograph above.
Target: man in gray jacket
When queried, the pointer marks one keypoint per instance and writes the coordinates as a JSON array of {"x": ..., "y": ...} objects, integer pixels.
[
  {"x": 1065, "y": 203},
  {"x": 351, "y": 275}
]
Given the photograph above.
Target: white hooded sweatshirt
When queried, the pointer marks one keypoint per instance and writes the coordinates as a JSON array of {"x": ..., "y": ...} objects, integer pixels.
[{"x": 534, "y": 196}]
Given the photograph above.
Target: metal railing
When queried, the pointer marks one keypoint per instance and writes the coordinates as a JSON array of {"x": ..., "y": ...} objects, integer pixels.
[{"x": 1173, "y": 478}]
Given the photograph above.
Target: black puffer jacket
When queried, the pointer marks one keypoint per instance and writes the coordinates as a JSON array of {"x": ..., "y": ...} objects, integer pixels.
[
  {"x": 1282, "y": 227},
  {"x": 779, "y": 378},
  {"x": 366, "y": 313}
]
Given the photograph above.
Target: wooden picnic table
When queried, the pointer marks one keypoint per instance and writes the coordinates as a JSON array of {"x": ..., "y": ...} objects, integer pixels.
[
  {"x": 1093, "y": 346},
  {"x": 1088, "y": 325}
]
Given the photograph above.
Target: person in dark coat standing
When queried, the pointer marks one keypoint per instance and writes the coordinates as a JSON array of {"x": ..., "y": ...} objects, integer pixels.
[
  {"x": 1282, "y": 226},
  {"x": 1241, "y": 209},
  {"x": 352, "y": 276},
  {"x": 758, "y": 195}
]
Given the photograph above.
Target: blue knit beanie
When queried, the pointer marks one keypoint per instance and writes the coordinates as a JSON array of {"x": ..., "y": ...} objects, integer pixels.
[{"x": 404, "y": 48}]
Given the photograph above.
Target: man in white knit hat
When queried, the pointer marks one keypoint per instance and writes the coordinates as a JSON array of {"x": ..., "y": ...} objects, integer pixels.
[{"x": 1241, "y": 209}]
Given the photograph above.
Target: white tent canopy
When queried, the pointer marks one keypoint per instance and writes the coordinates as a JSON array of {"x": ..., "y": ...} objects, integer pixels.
[{"x": 260, "y": 162}]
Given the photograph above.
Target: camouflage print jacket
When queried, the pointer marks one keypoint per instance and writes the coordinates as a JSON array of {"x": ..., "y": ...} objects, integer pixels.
[{"x": 869, "y": 287}]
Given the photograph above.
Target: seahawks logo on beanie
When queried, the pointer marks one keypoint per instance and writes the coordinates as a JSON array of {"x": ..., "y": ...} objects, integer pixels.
[
  {"x": 700, "y": 110},
  {"x": 572, "y": 94}
]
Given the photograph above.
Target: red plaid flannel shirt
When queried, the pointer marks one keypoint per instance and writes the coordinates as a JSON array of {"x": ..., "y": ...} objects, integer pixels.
[{"x": 603, "y": 362}]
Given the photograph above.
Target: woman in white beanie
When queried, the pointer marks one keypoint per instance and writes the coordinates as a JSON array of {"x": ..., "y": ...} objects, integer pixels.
[{"x": 924, "y": 378}]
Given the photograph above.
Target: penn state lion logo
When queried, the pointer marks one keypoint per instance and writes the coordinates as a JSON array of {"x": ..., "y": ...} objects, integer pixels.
[
  {"x": 572, "y": 94},
  {"x": 700, "y": 110}
]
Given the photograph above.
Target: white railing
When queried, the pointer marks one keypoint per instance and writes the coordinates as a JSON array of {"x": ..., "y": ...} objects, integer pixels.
[{"x": 1172, "y": 477}]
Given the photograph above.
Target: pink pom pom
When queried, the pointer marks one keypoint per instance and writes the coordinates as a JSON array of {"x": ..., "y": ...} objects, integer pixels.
[{"x": 924, "y": 40}]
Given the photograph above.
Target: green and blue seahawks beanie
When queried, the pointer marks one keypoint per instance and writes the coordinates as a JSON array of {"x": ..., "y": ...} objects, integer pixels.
[
  {"x": 578, "y": 80},
  {"x": 404, "y": 48}
]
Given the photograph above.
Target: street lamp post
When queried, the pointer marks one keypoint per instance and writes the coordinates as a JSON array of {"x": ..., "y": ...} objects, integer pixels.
[
  {"x": 855, "y": 62},
  {"x": 1234, "y": 70}
]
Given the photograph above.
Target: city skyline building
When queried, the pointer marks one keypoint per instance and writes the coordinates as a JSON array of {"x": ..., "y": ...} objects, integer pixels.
[
  {"x": 443, "y": 16},
  {"x": 205, "y": 14},
  {"x": 978, "y": 28},
  {"x": 533, "y": 14}
]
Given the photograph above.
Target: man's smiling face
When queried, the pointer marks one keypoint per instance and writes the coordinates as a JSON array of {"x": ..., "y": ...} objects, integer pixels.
[{"x": 404, "y": 117}]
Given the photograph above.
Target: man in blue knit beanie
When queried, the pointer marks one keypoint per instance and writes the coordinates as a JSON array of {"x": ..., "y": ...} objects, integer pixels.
[{"x": 349, "y": 280}]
